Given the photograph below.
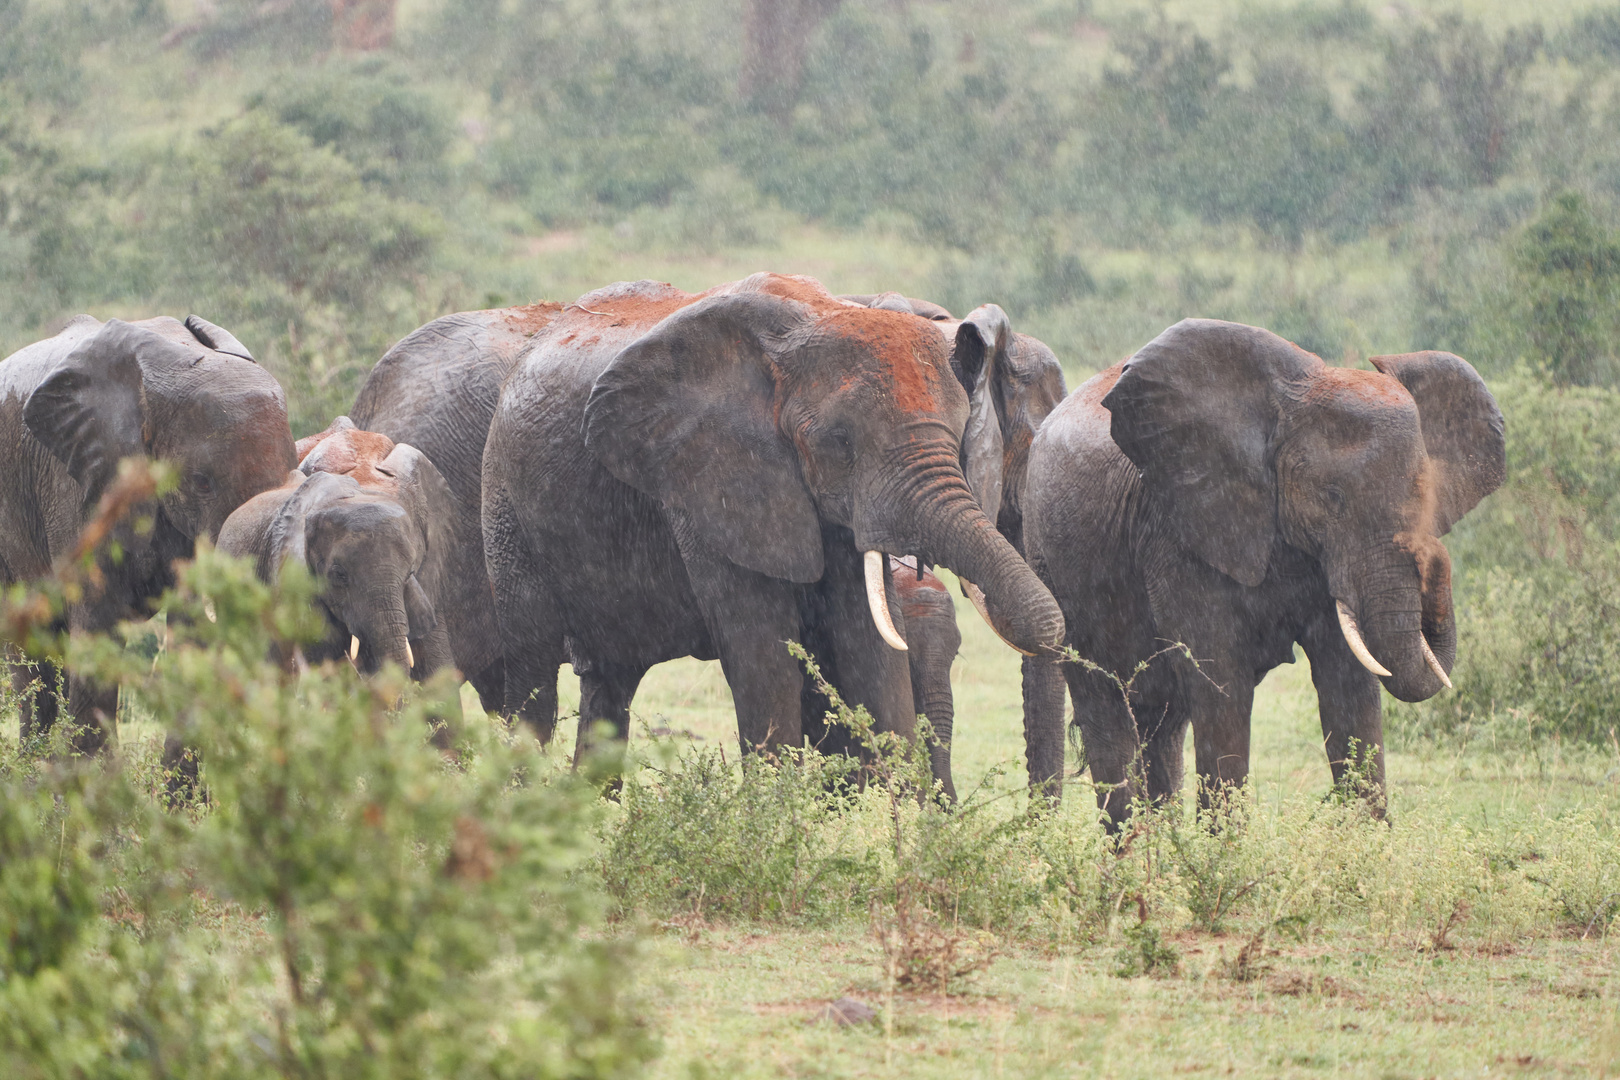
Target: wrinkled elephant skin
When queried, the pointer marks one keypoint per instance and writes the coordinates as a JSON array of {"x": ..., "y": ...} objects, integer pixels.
[
  {"x": 670, "y": 474},
  {"x": 1226, "y": 490},
  {"x": 75, "y": 405}
]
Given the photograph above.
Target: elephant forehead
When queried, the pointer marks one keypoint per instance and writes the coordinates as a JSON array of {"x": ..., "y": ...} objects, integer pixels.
[
  {"x": 351, "y": 453},
  {"x": 1354, "y": 388},
  {"x": 903, "y": 354}
]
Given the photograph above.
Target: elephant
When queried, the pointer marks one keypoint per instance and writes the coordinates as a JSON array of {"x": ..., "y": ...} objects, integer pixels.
[
  {"x": 1021, "y": 383},
  {"x": 713, "y": 475},
  {"x": 932, "y": 642},
  {"x": 372, "y": 519},
  {"x": 76, "y": 404},
  {"x": 1227, "y": 491},
  {"x": 436, "y": 390}
]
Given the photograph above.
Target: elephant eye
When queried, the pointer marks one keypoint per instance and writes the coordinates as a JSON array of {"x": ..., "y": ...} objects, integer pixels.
[
  {"x": 337, "y": 575},
  {"x": 202, "y": 483},
  {"x": 1334, "y": 498}
]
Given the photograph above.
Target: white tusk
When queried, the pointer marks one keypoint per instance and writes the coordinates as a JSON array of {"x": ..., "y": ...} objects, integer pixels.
[
  {"x": 877, "y": 598},
  {"x": 354, "y": 648},
  {"x": 208, "y": 611},
  {"x": 410, "y": 658},
  {"x": 1352, "y": 636},
  {"x": 975, "y": 597},
  {"x": 1434, "y": 661}
]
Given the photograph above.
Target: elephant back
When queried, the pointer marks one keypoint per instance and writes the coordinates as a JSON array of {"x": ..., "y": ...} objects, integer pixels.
[{"x": 437, "y": 389}]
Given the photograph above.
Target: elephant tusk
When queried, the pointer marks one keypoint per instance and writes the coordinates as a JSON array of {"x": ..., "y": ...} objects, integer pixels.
[
  {"x": 1434, "y": 661},
  {"x": 410, "y": 658},
  {"x": 354, "y": 648},
  {"x": 208, "y": 611},
  {"x": 877, "y": 598},
  {"x": 1352, "y": 636},
  {"x": 975, "y": 597}
]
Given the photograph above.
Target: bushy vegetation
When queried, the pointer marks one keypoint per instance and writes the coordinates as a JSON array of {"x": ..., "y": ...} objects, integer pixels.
[{"x": 337, "y": 899}]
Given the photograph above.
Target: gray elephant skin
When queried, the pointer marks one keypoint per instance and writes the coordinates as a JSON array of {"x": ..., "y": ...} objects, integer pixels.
[
  {"x": 932, "y": 642},
  {"x": 372, "y": 520},
  {"x": 1020, "y": 383},
  {"x": 71, "y": 408},
  {"x": 1227, "y": 490},
  {"x": 436, "y": 390},
  {"x": 713, "y": 475}
]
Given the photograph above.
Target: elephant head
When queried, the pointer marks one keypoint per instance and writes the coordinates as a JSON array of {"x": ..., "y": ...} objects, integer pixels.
[
  {"x": 380, "y": 550},
  {"x": 765, "y": 412},
  {"x": 189, "y": 394},
  {"x": 1249, "y": 441}
]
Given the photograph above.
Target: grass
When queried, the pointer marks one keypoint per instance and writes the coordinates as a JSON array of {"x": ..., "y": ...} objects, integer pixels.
[{"x": 741, "y": 1000}]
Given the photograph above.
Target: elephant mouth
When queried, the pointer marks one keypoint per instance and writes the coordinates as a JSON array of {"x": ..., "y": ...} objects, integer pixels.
[{"x": 1358, "y": 646}]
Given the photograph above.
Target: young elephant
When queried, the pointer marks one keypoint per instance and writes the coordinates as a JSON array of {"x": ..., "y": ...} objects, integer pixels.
[
  {"x": 1227, "y": 490},
  {"x": 932, "y": 641},
  {"x": 369, "y": 517}
]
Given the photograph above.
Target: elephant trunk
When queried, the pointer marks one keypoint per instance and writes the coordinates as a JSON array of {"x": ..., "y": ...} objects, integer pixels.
[
  {"x": 926, "y": 509},
  {"x": 1399, "y": 616},
  {"x": 936, "y": 704},
  {"x": 384, "y": 633}
]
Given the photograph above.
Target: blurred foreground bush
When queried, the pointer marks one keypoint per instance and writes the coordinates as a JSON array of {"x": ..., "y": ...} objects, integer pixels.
[{"x": 342, "y": 901}]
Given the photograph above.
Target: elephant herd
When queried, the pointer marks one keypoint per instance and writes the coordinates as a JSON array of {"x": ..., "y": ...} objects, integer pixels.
[{"x": 645, "y": 474}]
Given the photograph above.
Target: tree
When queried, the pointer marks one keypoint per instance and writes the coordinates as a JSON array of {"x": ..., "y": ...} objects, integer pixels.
[{"x": 777, "y": 37}]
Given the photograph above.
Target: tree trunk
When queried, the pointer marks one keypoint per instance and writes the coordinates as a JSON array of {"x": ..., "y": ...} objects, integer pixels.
[{"x": 777, "y": 37}]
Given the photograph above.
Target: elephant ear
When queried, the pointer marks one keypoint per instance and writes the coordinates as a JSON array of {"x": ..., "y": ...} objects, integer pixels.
[
  {"x": 1196, "y": 410},
  {"x": 686, "y": 414},
  {"x": 288, "y": 541},
  {"x": 979, "y": 359},
  {"x": 1463, "y": 430},
  {"x": 427, "y": 498},
  {"x": 217, "y": 338},
  {"x": 90, "y": 411}
]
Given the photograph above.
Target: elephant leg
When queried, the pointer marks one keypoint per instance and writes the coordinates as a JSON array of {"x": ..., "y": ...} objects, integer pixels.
[
  {"x": 750, "y": 619},
  {"x": 180, "y": 772},
  {"x": 491, "y": 686},
  {"x": 1352, "y": 713},
  {"x": 1163, "y": 759},
  {"x": 434, "y": 655},
  {"x": 605, "y": 694},
  {"x": 531, "y": 627},
  {"x": 94, "y": 709},
  {"x": 870, "y": 671},
  {"x": 1112, "y": 746},
  {"x": 39, "y": 688},
  {"x": 1221, "y": 721},
  {"x": 1044, "y": 730}
]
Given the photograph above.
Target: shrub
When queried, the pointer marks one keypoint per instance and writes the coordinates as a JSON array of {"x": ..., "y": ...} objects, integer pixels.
[{"x": 344, "y": 902}]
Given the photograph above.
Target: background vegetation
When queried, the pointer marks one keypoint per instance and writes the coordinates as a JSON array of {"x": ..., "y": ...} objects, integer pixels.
[{"x": 1362, "y": 178}]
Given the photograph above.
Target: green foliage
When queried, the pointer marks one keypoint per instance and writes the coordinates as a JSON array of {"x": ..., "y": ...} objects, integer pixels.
[
  {"x": 1537, "y": 581},
  {"x": 1569, "y": 263},
  {"x": 399, "y": 913},
  {"x": 709, "y": 838},
  {"x": 1448, "y": 108}
]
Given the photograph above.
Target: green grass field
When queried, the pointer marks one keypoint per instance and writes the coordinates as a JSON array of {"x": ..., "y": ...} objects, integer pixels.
[{"x": 741, "y": 999}]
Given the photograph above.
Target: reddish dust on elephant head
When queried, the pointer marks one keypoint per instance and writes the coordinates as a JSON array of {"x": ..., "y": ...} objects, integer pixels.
[
  {"x": 347, "y": 451},
  {"x": 530, "y": 319}
]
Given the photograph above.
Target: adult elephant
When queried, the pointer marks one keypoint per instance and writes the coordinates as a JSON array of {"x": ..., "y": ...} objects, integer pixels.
[
  {"x": 1227, "y": 490},
  {"x": 670, "y": 474},
  {"x": 436, "y": 390},
  {"x": 371, "y": 519},
  {"x": 1018, "y": 383},
  {"x": 71, "y": 408}
]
